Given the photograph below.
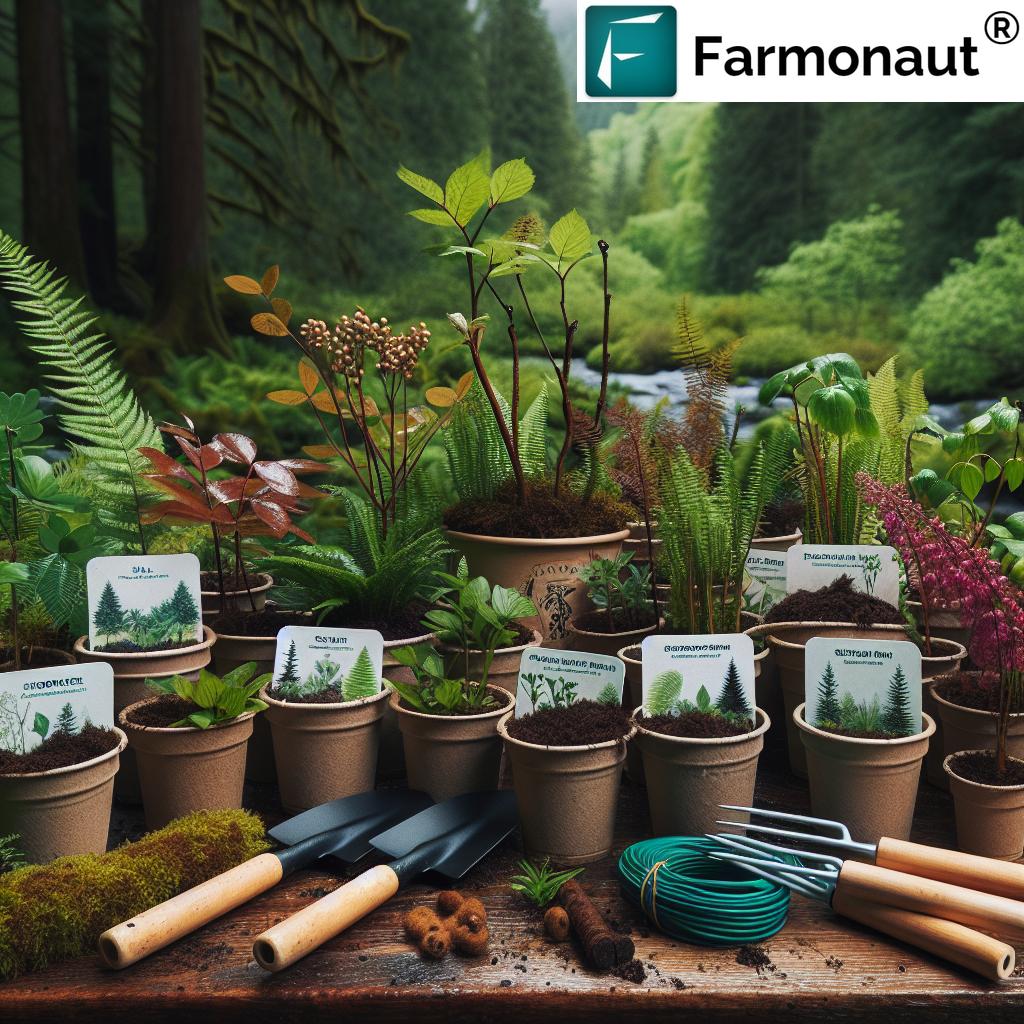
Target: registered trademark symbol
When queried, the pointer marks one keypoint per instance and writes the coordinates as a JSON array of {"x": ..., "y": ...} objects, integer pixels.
[{"x": 1002, "y": 27}]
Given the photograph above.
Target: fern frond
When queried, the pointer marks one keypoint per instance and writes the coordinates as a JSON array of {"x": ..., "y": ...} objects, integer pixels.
[
  {"x": 665, "y": 690},
  {"x": 533, "y": 436}
]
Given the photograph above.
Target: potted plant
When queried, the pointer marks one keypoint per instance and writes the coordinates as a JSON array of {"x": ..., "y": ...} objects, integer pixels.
[
  {"x": 326, "y": 731},
  {"x": 520, "y": 522},
  {"x": 623, "y": 599},
  {"x": 566, "y": 757},
  {"x": 697, "y": 755},
  {"x": 190, "y": 741},
  {"x": 448, "y": 716}
]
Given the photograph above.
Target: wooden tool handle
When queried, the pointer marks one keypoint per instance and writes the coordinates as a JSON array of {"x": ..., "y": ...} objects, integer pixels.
[
  {"x": 953, "y": 942},
  {"x": 127, "y": 943},
  {"x": 996, "y": 915},
  {"x": 284, "y": 944},
  {"x": 1001, "y": 878}
]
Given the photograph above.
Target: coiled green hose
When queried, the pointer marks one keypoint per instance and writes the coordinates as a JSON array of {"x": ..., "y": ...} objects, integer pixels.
[{"x": 693, "y": 897}]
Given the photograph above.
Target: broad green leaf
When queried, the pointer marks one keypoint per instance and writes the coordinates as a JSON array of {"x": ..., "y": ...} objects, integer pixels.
[
  {"x": 461, "y": 250},
  {"x": 971, "y": 480},
  {"x": 772, "y": 388},
  {"x": 979, "y": 425},
  {"x": 438, "y": 217},
  {"x": 570, "y": 237},
  {"x": 425, "y": 186},
  {"x": 516, "y": 266},
  {"x": 511, "y": 180},
  {"x": 40, "y": 725},
  {"x": 1014, "y": 473},
  {"x": 1005, "y": 416},
  {"x": 992, "y": 470},
  {"x": 13, "y": 572},
  {"x": 466, "y": 190},
  {"x": 201, "y": 719},
  {"x": 833, "y": 409},
  {"x": 183, "y": 687},
  {"x": 208, "y": 690}
]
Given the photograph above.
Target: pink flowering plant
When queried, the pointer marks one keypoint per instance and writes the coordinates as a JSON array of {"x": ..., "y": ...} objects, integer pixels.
[{"x": 950, "y": 573}]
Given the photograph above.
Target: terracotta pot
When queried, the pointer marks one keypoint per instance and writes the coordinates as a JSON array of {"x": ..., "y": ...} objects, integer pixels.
[
  {"x": 688, "y": 778},
  {"x": 965, "y": 729},
  {"x": 869, "y": 785},
  {"x": 239, "y": 600},
  {"x": 504, "y": 670},
  {"x": 566, "y": 796},
  {"x": 787, "y": 643},
  {"x": 593, "y": 641},
  {"x": 48, "y": 656},
  {"x": 391, "y": 761},
  {"x": 944, "y": 622},
  {"x": 62, "y": 811},
  {"x": 643, "y": 551},
  {"x": 544, "y": 570},
  {"x": 989, "y": 819},
  {"x": 130, "y": 674},
  {"x": 186, "y": 770},
  {"x": 324, "y": 751},
  {"x": 632, "y": 696},
  {"x": 780, "y": 542},
  {"x": 447, "y": 755}
]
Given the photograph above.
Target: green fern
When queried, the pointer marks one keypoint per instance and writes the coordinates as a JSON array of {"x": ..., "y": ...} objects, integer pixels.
[
  {"x": 361, "y": 680},
  {"x": 665, "y": 691},
  {"x": 98, "y": 408},
  {"x": 609, "y": 695},
  {"x": 533, "y": 435}
]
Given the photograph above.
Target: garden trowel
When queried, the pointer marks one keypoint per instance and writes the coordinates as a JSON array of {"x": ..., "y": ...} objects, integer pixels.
[
  {"x": 341, "y": 829},
  {"x": 449, "y": 838}
]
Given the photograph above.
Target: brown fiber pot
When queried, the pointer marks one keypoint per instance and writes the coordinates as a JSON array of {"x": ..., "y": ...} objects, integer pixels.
[
  {"x": 780, "y": 542},
  {"x": 566, "y": 796},
  {"x": 579, "y": 638},
  {"x": 989, "y": 819},
  {"x": 642, "y": 549},
  {"x": 963, "y": 728},
  {"x": 504, "y": 667},
  {"x": 545, "y": 570},
  {"x": 688, "y": 778},
  {"x": 447, "y": 755},
  {"x": 391, "y": 762},
  {"x": 62, "y": 811},
  {"x": 632, "y": 696},
  {"x": 239, "y": 600},
  {"x": 324, "y": 751},
  {"x": 186, "y": 770},
  {"x": 130, "y": 674},
  {"x": 869, "y": 785}
]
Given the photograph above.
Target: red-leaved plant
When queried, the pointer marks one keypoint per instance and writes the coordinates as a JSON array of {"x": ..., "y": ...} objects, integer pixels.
[{"x": 263, "y": 500}]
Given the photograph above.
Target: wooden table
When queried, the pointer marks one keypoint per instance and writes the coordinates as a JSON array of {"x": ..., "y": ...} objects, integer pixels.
[{"x": 819, "y": 967}]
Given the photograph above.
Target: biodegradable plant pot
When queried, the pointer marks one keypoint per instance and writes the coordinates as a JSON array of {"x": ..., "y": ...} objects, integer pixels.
[
  {"x": 324, "y": 751},
  {"x": 186, "y": 770},
  {"x": 544, "y": 570},
  {"x": 965, "y": 729},
  {"x": 989, "y": 819},
  {"x": 632, "y": 696},
  {"x": 391, "y": 760},
  {"x": 944, "y": 623},
  {"x": 688, "y": 778},
  {"x": 130, "y": 674},
  {"x": 238, "y": 600},
  {"x": 566, "y": 796},
  {"x": 62, "y": 811},
  {"x": 779, "y": 542},
  {"x": 39, "y": 657},
  {"x": 504, "y": 667},
  {"x": 595, "y": 641},
  {"x": 447, "y": 755},
  {"x": 637, "y": 542},
  {"x": 869, "y": 785}
]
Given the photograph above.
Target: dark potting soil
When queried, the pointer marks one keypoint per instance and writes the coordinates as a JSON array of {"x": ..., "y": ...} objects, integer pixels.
[
  {"x": 599, "y": 622},
  {"x": 756, "y": 957},
  {"x": 265, "y": 622},
  {"x": 32, "y": 657},
  {"x": 398, "y": 626},
  {"x": 633, "y": 971},
  {"x": 167, "y": 709},
  {"x": 976, "y": 690},
  {"x": 332, "y": 695},
  {"x": 579, "y": 725},
  {"x": 838, "y": 602},
  {"x": 695, "y": 725},
  {"x": 60, "y": 750},
  {"x": 543, "y": 514},
  {"x": 781, "y": 518},
  {"x": 980, "y": 766},
  {"x": 127, "y": 647}
]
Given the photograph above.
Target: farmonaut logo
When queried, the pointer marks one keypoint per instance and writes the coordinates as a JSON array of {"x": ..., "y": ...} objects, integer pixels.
[{"x": 630, "y": 50}]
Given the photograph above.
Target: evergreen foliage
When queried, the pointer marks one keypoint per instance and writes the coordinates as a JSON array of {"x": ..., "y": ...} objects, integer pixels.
[
  {"x": 184, "y": 609},
  {"x": 109, "y": 618},
  {"x": 731, "y": 699},
  {"x": 290, "y": 671},
  {"x": 66, "y": 721},
  {"x": 896, "y": 717},
  {"x": 829, "y": 708},
  {"x": 361, "y": 680},
  {"x": 609, "y": 695}
]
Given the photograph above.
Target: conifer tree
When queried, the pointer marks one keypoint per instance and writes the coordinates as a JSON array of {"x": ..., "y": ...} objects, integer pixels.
[
  {"x": 108, "y": 618},
  {"x": 184, "y": 610},
  {"x": 732, "y": 698},
  {"x": 896, "y": 718},
  {"x": 829, "y": 709},
  {"x": 66, "y": 720},
  {"x": 290, "y": 672}
]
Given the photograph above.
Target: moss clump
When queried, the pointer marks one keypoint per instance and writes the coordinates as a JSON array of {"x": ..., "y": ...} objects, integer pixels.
[{"x": 59, "y": 910}]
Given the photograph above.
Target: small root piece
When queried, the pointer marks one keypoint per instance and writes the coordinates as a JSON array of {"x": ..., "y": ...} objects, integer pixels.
[{"x": 556, "y": 924}]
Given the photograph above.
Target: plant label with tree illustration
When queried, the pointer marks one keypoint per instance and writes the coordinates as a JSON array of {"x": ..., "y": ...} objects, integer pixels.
[
  {"x": 712, "y": 673},
  {"x": 873, "y": 568},
  {"x": 767, "y": 587},
  {"x": 37, "y": 703},
  {"x": 863, "y": 687},
  {"x": 556, "y": 679},
  {"x": 312, "y": 659},
  {"x": 143, "y": 602}
]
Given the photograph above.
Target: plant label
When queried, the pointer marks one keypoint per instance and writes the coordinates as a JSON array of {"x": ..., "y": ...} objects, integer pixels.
[
  {"x": 863, "y": 687},
  {"x": 39, "y": 702},
  {"x": 556, "y": 679},
  {"x": 873, "y": 568},
  {"x": 312, "y": 659},
  {"x": 143, "y": 602},
  {"x": 713, "y": 673},
  {"x": 767, "y": 572}
]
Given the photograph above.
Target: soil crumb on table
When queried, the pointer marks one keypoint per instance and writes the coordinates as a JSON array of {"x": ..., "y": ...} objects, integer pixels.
[
  {"x": 756, "y": 957},
  {"x": 633, "y": 971}
]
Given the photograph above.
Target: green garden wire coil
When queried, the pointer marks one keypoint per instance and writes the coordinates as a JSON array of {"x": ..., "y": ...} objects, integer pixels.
[{"x": 691, "y": 896}]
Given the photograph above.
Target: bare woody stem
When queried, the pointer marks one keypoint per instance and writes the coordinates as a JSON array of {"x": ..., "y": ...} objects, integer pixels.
[{"x": 602, "y": 397}]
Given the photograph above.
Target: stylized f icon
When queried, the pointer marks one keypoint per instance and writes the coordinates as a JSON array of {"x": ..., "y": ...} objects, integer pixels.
[{"x": 604, "y": 70}]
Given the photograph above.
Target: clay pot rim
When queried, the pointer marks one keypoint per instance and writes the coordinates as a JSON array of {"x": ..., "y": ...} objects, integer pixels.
[
  {"x": 778, "y": 538},
  {"x": 542, "y": 542},
  {"x": 621, "y": 654},
  {"x": 536, "y": 641},
  {"x": 411, "y": 641},
  {"x": 68, "y": 768},
  {"x": 40, "y": 647},
  {"x": 209, "y": 638},
  {"x": 705, "y": 741},
  {"x": 336, "y": 706},
  {"x": 987, "y": 787},
  {"x": 396, "y": 703},
  {"x": 261, "y": 588},
  {"x": 927, "y": 732},
  {"x": 643, "y": 631},
  {"x": 960, "y": 707},
  {"x": 166, "y": 729},
  {"x": 575, "y": 748},
  {"x": 764, "y": 629}
]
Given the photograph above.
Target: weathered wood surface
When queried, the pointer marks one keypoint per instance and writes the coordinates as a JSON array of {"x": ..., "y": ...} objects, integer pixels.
[{"x": 821, "y": 967}]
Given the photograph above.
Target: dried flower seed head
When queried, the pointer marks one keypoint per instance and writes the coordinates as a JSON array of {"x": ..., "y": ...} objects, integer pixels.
[
  {"x": 315, "y": 333},
  {"x": 396, "y": 354}
]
